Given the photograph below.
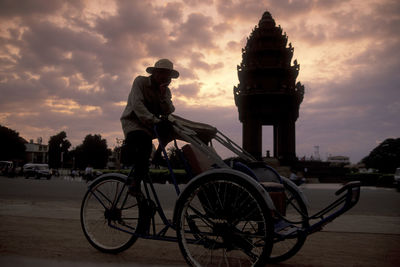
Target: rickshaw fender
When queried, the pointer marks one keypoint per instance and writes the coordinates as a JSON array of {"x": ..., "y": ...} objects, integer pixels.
[
  {"x": 264, "y": 194},
  {"x": 289, "y": 183}
]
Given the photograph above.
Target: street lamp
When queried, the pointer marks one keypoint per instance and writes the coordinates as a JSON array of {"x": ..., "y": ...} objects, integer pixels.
[{"x": 62, "y": 156}]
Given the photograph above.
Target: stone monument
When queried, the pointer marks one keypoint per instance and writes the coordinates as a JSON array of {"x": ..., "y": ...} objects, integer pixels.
[{"x": 267, "y": 93}]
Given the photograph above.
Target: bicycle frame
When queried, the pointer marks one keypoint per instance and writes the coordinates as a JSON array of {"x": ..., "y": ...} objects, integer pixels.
[
  {"x": 150, "y": 191},
  {"x": 348, "y": 200},
  {"x": 151, "y": 195}
]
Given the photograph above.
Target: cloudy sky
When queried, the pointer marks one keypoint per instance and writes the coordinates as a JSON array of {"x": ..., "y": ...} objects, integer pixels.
[{"x": 69, "y": 65}]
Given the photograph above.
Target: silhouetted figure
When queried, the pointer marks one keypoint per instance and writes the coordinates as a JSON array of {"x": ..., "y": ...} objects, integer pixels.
[
  {"x": 149, "y": 99},
  {"x": 89, "y": 173}
]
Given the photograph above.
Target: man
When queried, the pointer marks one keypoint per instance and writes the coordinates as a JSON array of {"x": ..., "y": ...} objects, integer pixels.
[
  {"x": 89, "y": 173},
  {"x": 149, "y": 99}
]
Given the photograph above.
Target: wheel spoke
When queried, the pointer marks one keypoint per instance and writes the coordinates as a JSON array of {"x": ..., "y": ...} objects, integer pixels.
[
  {"x": 202, "y": 217},
  {"x": 104, "y": 197}
]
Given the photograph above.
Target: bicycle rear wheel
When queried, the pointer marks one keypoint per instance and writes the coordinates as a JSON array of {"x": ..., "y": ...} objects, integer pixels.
[
  {"x": 222, "y": 220},
  {"x": 110, "y": 216}
]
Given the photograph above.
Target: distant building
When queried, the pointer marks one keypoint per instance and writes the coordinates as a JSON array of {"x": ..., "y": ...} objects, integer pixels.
[
  {"x": 36, "y": 152},
  {"x": 338, "y": 160}
]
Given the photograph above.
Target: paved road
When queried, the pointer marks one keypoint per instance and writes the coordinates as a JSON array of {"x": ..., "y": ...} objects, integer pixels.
[
  {"x": 378, "y": 210},
  {"x": 374, "y": 201},
  {"x": 39, "y": 226}
]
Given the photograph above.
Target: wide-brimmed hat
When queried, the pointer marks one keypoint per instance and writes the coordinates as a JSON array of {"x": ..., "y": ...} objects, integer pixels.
[{"x": 164, "y": 64}]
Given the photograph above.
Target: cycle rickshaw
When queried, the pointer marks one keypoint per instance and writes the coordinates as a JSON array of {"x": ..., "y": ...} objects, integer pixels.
[{"x": 237, "y": 212}]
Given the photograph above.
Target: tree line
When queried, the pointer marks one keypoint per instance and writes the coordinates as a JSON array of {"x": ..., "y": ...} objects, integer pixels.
[
  {"x": 385, "y": 157},
  {"x": 95, "y": 152},
  {"x": 92, "y": 152}
]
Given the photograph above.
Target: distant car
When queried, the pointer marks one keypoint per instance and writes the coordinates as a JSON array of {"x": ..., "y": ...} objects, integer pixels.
[
  {"x": 397, "y": 178},
  {"x": 36, "y": 170}
]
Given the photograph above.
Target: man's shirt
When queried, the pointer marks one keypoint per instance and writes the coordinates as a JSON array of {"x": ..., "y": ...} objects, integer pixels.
[{"x": 145, "y": 104}]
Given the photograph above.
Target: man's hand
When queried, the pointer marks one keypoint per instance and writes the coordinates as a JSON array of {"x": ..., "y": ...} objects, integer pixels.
[
  {"x": 164, "y": 128},
  {"x": 163, "y": 88}
]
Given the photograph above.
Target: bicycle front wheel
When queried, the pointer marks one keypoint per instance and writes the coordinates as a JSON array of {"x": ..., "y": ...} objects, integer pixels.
[
  {"x": 222, "y": 220},
  {"x": 110, "y": 216}
]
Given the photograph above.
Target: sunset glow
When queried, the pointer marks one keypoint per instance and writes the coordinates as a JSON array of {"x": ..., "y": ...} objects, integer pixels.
[{"x": 70, "y": 65}]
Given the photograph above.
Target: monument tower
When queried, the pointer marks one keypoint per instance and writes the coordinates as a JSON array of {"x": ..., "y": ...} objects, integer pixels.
[{"x": 267, "y": 93}]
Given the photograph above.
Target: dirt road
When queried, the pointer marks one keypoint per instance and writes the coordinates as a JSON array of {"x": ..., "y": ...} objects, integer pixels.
[
  {"x": 39, "y": 226},
  {"x": 32, "y": 241}
]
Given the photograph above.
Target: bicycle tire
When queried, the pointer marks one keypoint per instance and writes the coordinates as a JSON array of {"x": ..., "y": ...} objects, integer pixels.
[
  {"x": 109, "y": 226},
  {"x": 224, "y": 217},
  {"x": 296, "y": 211}
]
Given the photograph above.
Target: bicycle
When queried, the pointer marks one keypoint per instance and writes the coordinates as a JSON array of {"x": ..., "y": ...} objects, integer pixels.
[{"x": 231, "y": 213}]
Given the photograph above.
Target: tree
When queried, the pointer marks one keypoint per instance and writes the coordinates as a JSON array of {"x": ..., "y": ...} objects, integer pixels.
[
  {"x": 93, "y": 151},
  {"x": 58, "y": 149},
  {"x": 385, "y": 157},
  {"x": 12, "y": 146}
]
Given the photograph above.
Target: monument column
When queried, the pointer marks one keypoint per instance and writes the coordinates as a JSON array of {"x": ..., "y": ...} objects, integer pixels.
[
  {"x": 291, "y": 132},
  {"x": 252, "y": 137},
  {"x": 285, "y": 140}
]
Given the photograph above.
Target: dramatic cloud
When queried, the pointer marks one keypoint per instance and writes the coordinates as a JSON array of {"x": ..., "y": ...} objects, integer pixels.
[
  {"x": 69, "y": 65},
  {"x": 190, "y": 90}
]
